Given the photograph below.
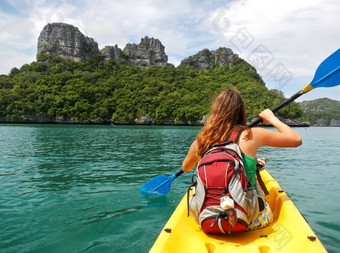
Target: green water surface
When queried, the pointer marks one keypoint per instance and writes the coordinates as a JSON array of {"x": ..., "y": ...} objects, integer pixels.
[{"x": 70, "y": 188}]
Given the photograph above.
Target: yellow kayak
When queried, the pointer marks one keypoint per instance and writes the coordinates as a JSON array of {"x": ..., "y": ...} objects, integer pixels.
[{"x": 289, "y": 232}]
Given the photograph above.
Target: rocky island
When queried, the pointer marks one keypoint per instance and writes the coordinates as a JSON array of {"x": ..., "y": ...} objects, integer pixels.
[{"x": 73, "y": 81}]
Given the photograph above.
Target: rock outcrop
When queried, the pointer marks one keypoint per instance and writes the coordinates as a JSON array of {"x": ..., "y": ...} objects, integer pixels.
[
  {"x": 112, "y": 53},
  {"x": 66, "y": 41},
  {"x": 205, "y": 58},
  {"x": 295, "y": 123},
  {"x": 327, "y": 122},
  {"x": 148, "y": 52},
  {"x": 334, "y": 123}
]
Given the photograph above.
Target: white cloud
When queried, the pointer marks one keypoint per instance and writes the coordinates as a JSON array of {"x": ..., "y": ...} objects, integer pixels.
[
  {"x": 296, "y": 34},
  {"x": 12, "y": 58},
  {"x": 128, "y": 21},
  {"x": 15, "y": 32},
  {"x": 17, "y": 42},
  {"x": 174, "y": 60}
]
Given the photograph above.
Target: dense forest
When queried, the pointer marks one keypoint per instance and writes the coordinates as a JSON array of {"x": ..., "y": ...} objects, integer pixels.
[{"x": 54, "y": 89}]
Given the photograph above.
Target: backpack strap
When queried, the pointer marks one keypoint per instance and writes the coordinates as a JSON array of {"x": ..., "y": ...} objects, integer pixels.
[
  {"x": 234, "y": 136},
  {"x": 259, "y": 166},
  {"x": 194, "y": 183}
]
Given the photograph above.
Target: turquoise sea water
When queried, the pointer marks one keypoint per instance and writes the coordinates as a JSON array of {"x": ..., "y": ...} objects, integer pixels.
[{"x": 76, "y": 188}]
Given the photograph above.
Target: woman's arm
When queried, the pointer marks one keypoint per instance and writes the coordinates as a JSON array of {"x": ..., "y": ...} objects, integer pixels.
[
  {"x": 191, "y": 159},
  {"x": 286, "y": 137}
]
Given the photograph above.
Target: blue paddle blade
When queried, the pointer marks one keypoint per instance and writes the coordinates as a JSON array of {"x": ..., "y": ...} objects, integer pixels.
[
  {"x": 328, "y": 73},
  {"x": 159, "y": 185}
]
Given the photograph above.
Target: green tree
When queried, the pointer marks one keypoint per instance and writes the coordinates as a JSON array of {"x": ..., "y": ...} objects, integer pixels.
[{"x": 99, "y": 91}]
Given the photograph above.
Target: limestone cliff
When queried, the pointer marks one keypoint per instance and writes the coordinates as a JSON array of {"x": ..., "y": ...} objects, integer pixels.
[
  {"x": 205, "y": 58},
  {"x": 148, "y": 52},
  {"x": 66, "y": 41},
  {"x": 113, "y": 53}
]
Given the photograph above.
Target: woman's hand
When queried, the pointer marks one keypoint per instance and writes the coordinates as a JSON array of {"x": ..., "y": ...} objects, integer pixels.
[{"x": 267, "y": 116}]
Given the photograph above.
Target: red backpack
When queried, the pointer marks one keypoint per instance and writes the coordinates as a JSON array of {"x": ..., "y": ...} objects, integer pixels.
[{"x": 223, "y": 199}]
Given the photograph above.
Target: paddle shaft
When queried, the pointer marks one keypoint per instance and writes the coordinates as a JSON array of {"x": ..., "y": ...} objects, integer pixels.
[
  {"x": 179, "y": 173},
  {"x": 278, "y": 107}
]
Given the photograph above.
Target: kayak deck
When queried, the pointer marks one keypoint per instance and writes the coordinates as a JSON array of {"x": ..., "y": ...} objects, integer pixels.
[{"x": 289, "y": 231}]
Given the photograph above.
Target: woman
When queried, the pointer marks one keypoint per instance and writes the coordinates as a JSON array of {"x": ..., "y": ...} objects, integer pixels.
[{"x": 227, "y": 115}]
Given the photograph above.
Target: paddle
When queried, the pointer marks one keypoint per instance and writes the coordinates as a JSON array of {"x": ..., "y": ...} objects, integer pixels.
[
  {"x": 159, "y": 185},
  {"x": 326, "y": 75}
]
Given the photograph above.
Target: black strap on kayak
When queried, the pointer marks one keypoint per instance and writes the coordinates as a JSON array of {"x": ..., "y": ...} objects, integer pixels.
[
  {"x": 263, "y": 186},
  {"x": 188, "y": 201},
  {"x": 194, "y": 182}
]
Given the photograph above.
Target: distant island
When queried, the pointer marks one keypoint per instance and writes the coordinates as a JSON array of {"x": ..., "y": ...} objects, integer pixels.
[
  {"x": 73, "y": 81},
  {"x": 322, "y": 111}
]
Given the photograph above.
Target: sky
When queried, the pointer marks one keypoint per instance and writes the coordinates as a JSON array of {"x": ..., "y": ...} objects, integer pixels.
[{"x": 284, "y": 40}]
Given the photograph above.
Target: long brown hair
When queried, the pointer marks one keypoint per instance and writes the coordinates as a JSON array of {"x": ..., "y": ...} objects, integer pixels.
[{"x": 228, "y": 113}]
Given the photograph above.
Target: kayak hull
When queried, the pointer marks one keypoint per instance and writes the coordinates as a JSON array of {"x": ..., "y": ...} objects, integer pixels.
[{"x": 289, "y": 231}]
